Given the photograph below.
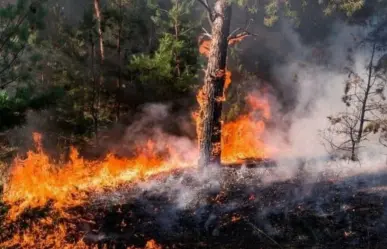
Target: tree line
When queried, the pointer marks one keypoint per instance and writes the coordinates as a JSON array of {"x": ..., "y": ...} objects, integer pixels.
[{"x": 89, "y": 69}]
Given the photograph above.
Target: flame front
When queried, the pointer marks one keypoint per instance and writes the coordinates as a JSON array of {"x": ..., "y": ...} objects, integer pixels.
[{"x": 36, "y": 180}]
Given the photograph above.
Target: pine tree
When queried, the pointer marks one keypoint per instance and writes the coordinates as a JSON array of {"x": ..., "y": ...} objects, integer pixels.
[
  {"x": 175, "y": 61},
  {"x": 219, "y": 16},
  {"x": 19, "y": 23}
]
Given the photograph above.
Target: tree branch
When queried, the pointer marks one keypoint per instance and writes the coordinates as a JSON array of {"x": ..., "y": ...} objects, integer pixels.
[
  {"x": 209, "y": 10},
  {"x": 206, "y": 33},
  {"x": 5, "y": 84},
  {"x": 15, "y": 57},
  {"x": 239, "y": 34}
]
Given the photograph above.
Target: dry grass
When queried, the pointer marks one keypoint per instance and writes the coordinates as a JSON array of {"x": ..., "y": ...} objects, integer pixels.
[
  {"x": 6, "y": 156},
  {"x": 3, "y": 170},
  {"x": 239, "y": 213}
]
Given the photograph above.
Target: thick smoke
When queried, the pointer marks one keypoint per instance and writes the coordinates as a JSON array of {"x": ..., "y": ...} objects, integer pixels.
[{"x": 317, "y": 78}]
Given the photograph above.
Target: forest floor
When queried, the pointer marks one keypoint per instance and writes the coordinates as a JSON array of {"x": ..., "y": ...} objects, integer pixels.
[{"x": 232, "y": 209}]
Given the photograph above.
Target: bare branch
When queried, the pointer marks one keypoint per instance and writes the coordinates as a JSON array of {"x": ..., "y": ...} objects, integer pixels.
[
  {"x": 10, "y": 64},
  {"x": 234, "y": 31},
  {"x": 205, "y": 4},
  {"x": 209, "y": 10},
  {"x": 206, "y": 33},
  {"x": 382, "y": 142},
  {"x": 5, "y": 84},
  {"x": 239, "y": 34}
]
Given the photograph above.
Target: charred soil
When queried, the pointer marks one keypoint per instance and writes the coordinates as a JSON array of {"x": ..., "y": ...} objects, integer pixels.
[{"x": 237, "y": 210}]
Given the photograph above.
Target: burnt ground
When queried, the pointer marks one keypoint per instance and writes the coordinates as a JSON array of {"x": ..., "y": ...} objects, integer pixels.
[{"x": 236, "y": 210}]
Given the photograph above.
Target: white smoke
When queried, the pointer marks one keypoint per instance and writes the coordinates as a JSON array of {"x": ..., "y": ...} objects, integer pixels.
[{"x": 319, "y": 88}]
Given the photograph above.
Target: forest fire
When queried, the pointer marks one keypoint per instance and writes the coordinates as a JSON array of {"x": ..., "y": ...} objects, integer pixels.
[
  {"x": 39, "y": 181},
  {"x": 36, "y": 180},
  {"x": 289, "y": 147},
  {"x": 241, "y": 138}
]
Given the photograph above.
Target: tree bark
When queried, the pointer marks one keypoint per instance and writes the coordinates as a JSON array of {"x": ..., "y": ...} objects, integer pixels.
[
  {"x": 210, "y": 114},
  {"x": 119, "y": 79},
  {"x": 97, "y": 12},
  {"x": 355, "y": 143},
  {"x": 366, "y": 95}
]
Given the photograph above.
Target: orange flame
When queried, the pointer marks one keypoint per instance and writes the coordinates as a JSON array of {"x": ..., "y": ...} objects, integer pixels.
[
  {"x": 204, "y": 47},
  {"x": 242, "y": 138},
  {"x": 36, "y": 180},
  {"x": 46, "y": 234},
  {"x": 151, "y": 244}
]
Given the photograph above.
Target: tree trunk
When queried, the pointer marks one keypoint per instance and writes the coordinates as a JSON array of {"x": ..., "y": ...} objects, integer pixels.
[
  {"x": 97, "y": 12},
  {"x": 359, "y": 135},
  {"x": 210, "y": 115},
  {"x": 93, "y": 106},
  {"x": 366, "y": 95},
  {"x": 119, "y": 79},
  {"x": 176, "y": 25}
]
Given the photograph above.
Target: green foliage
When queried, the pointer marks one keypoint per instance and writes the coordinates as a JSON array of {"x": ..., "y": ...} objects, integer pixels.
[
  {"x": 18, "y": 24},
  {"x": 151, "y": 54},
  {"x": 13, "y": 108},
  {"x": 347, "y": 6},
  {"x": 158, "y": 71},
  {"x": 154, "y": 61},
  {"x": 157, "y": 67},
  {"x": 171, "y": 69},
  {"x": 271, "y": 10},
  {"x": 274, "y": 9}
]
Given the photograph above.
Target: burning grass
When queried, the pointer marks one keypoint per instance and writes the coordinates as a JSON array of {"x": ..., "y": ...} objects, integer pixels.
[
  {"x": 220, "y": 208},
  {"x": 37, "y": 180},
  {"x": 157, "y": 198}
]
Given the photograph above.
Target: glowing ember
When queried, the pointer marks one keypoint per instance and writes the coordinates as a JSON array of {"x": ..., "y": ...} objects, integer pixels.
[
  {"x": 46, "y": 234},
  {"x": 151, "y": 244}
]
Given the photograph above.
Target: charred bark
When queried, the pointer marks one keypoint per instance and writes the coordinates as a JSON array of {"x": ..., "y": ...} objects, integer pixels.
[{"x": 210, "y": 115}]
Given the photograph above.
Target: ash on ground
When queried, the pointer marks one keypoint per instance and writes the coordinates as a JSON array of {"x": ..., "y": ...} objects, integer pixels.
[{"x": 233, "y": 207}]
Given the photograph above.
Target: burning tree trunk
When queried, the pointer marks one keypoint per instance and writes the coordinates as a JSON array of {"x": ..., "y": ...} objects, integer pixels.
[{"x": 211, "y": 107}]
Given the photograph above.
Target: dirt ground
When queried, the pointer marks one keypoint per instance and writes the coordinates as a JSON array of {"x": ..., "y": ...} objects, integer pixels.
[{"x": 238, "y": 213}]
